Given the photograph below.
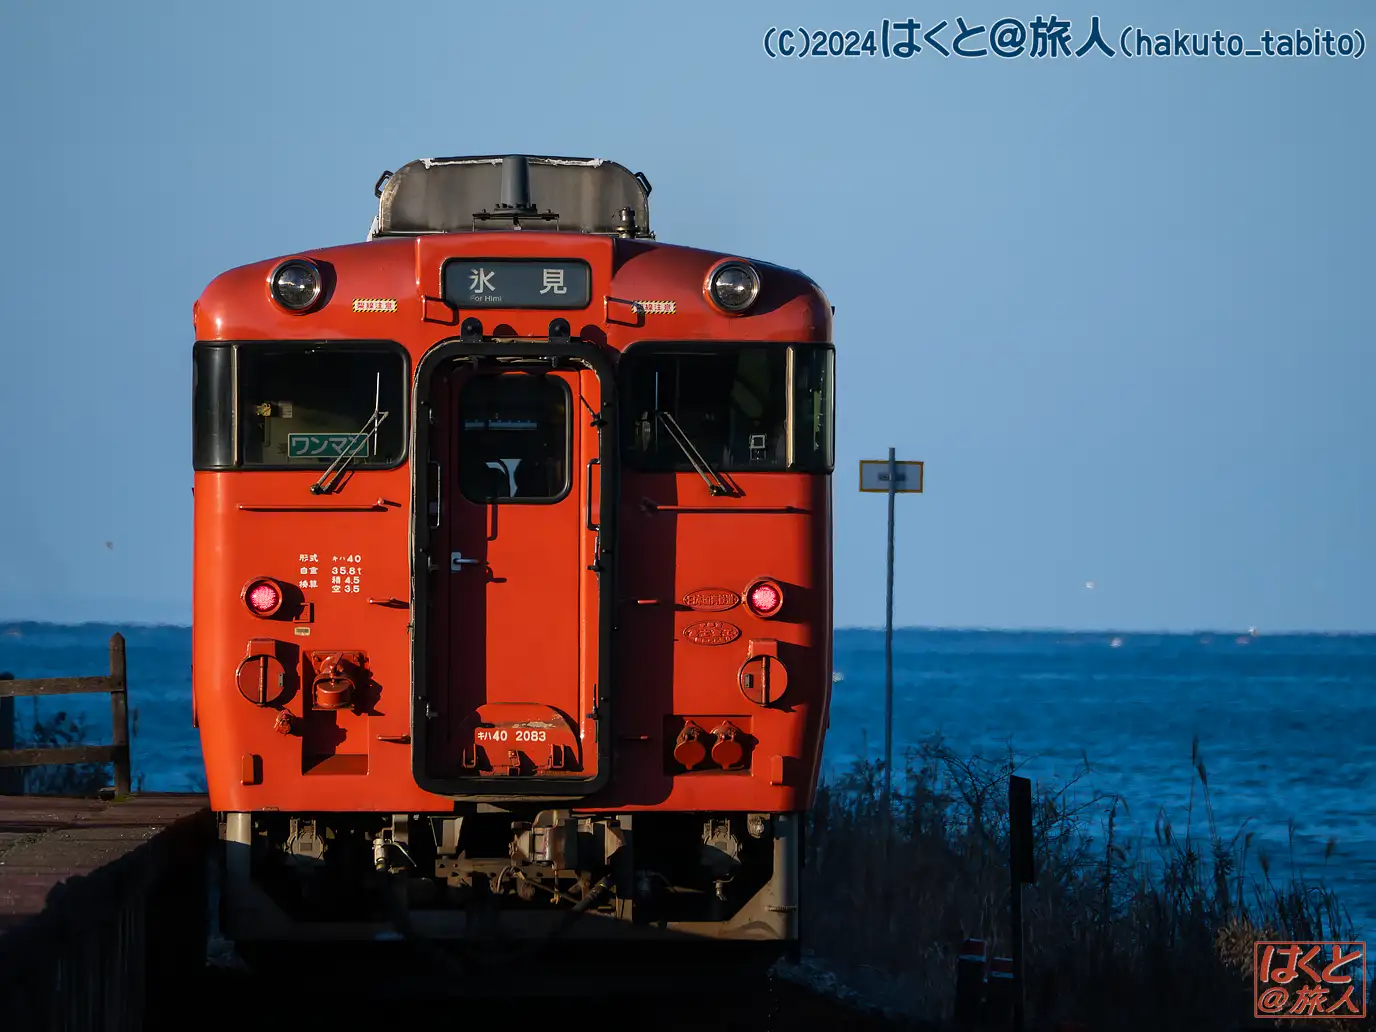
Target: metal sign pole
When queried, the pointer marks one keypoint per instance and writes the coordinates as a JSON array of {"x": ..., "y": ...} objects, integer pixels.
[
  {"x": 893, "y": 478},
  {"x": 888, "y": 658}
]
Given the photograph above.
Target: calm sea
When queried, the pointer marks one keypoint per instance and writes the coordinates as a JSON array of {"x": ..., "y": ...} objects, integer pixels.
[{"x": 1286, "y": 724}]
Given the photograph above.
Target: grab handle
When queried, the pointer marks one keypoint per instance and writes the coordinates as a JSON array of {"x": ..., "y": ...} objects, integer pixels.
[{"x": 591, "y": 524}]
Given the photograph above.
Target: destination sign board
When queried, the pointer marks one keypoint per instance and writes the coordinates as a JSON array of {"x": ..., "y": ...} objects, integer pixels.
[{"x": 523, "y": 283}]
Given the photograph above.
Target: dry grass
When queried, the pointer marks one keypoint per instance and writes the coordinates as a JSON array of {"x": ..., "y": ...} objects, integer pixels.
[
  {"x": 1118, "y": 936},
  {"x": 61, "y": 730}
]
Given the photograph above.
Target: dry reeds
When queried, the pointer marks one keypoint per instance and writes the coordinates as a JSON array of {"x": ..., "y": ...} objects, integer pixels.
[{"x": 1118, "y": 936}]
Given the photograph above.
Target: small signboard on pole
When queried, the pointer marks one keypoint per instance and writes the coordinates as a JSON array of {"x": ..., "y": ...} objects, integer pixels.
[{"x": 874, "y": 476}]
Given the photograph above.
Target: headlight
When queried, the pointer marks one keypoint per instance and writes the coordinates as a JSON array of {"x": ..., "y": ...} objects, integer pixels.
[
  {"x": 296, "y": 284},
  {"x": 733, "y": 286}
]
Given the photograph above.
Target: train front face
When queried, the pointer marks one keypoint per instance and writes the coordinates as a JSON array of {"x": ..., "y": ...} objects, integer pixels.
[{"x": 512, "y": 587}]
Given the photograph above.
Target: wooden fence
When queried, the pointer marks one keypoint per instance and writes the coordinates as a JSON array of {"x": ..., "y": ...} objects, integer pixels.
[{"x": 116, "y": 753}]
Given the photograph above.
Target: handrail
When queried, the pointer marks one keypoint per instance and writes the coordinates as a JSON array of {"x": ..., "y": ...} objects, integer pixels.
[
  {"x": 378, "y": 506},
  {"x": 650, "y": 506}
]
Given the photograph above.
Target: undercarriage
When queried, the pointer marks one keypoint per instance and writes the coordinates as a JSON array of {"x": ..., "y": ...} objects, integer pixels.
[{"x": 499, "y": 874}]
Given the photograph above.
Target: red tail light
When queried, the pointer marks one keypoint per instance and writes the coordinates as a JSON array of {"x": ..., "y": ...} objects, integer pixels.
[
  {"x": 263, "y": 596},
  {"x": 765, "y": 598}
]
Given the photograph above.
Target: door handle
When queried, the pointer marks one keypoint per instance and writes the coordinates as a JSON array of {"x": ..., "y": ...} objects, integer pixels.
[{"x": 457, "y": 562}]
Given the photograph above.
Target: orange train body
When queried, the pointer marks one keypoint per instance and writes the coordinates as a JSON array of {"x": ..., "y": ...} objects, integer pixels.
[{"x": 513, "y": 562}]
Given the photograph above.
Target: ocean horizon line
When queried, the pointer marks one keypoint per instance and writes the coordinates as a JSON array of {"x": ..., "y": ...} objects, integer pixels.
[{"x": 8, "y": 625}]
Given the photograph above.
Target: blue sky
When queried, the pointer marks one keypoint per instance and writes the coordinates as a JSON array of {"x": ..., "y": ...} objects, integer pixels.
[{"x": 1120, "y": 307}]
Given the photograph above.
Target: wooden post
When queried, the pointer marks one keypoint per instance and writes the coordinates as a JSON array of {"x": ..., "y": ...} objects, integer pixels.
[
  {"x": 119, "y": 715},
  {"x": 11, "y": 778},
  {"x": 1000, "y": 995},
  {"x": 969, "y": 984}
]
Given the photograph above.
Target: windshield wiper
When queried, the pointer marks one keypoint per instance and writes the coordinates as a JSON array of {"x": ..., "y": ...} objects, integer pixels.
[
  {"x": 338, "y": 466},
  {"x": 710, "y": 477},
  {"x": 349, "y": 453}
]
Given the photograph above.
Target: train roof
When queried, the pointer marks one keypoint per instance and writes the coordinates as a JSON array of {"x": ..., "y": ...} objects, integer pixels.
[{"x": 515, "y": 191}]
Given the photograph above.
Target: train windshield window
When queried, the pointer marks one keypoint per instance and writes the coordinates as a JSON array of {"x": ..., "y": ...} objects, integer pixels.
[
  {"x": 814, "y": 408},
  {"x": 514, "y": 438},
  {"x": 731, "y": 403},
  {"x": 304, "y": 406}
]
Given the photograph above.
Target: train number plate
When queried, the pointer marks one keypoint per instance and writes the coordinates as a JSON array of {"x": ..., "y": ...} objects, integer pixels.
[{"x": 509, "y": 735}]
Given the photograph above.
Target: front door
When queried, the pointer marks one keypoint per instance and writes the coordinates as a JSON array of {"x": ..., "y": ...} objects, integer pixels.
[{"x": 513, "y": 622}]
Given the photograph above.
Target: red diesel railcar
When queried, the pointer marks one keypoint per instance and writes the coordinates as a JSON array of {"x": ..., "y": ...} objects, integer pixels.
[{"x": 513, "y": 569}]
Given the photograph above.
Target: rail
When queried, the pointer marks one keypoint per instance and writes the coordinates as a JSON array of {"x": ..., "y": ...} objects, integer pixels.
[{"x": 116, "y": 753}]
